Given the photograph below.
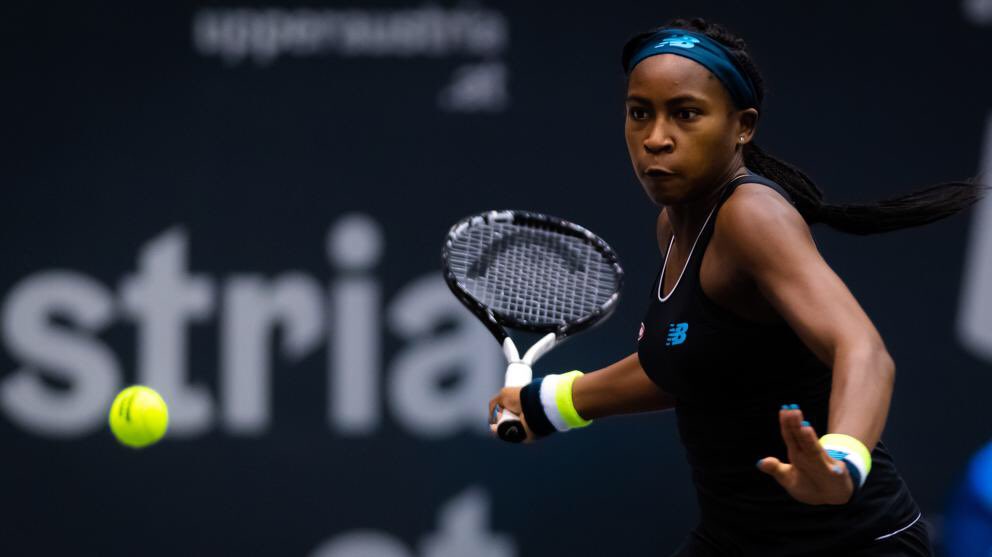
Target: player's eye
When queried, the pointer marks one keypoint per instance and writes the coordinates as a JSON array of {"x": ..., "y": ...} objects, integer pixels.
[
  {"x": 638, "y": 113},
  {"x": 686, "y": 113}
]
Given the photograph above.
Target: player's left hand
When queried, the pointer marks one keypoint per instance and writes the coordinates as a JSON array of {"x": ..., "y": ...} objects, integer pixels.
[{"x": 811, "y": 476}]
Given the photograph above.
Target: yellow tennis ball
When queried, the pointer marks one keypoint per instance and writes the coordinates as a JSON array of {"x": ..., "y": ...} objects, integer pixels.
[{"x": 138, "y": 416}]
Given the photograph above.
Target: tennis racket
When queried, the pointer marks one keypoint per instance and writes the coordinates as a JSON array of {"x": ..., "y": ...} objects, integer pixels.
[{"x": 534, "y": 273}]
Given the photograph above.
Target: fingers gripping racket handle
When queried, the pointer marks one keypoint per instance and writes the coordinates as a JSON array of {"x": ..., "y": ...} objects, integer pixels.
[
  {"x": 509, "y": 427},
  {"x": 519, "y": 373}
]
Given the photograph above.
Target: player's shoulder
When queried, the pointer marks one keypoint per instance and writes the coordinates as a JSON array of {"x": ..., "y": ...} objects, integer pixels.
[
  {"x": 757, "y": 223},
  {"x": 755, "y": 207}
]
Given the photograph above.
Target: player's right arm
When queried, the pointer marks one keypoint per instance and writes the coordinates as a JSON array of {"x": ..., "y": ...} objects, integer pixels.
[{"x": 620, "y": 388}]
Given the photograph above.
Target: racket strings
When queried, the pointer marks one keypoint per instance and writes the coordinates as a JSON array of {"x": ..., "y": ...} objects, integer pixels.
[{"x": 532, "y": 275}]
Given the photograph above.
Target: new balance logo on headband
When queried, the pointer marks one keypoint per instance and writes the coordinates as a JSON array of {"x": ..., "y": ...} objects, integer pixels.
[
  {"x": 682, "y": 41},
  {"x": 676, "y": 333}
]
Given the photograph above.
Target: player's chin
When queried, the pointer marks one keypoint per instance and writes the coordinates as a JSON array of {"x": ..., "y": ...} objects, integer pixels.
[{"x": 660, "y": 195}]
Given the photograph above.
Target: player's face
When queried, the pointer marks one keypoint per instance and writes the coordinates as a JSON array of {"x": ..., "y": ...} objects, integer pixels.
[{"x": 682, "y": 128}]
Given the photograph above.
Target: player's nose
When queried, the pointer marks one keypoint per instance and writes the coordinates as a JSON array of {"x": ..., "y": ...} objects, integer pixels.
[{"x": 658, "y": 139}]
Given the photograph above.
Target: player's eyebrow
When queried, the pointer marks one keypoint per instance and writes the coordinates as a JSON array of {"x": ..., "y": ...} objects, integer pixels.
[
  {"x": 636, "y": 99},
  {"x": 680, "y": 99},
  {"x": 685, "y": 98}
]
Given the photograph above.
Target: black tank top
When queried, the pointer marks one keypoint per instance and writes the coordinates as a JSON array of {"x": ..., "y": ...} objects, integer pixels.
[{"x": 730, "y": 377}]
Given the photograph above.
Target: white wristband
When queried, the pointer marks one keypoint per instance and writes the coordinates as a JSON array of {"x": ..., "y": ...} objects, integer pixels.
[
  {"x": 548, "y": 387},
  {"x": 850, "y": 450}
]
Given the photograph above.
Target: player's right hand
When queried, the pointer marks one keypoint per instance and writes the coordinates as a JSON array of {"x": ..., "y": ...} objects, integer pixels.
[{"x": 508, "y": 398}]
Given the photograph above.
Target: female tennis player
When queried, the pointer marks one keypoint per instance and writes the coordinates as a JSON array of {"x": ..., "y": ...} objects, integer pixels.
[{"x": 779, "y": 381}]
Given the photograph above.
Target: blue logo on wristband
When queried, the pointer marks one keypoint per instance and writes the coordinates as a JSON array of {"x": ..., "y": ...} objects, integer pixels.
[{"x": 837, "y": 455}]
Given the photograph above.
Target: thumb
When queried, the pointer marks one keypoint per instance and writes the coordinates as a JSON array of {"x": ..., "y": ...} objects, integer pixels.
[{"x": 774, "y": 468}]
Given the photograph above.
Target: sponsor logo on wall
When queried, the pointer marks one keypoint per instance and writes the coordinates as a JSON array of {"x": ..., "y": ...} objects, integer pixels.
[
  {"x": 462, "y": 530},
  {"x": 52, "y": 320},
  {"x": 261, "y": 37},
  {"x": 975, "y": 312},
  {"x": 51, "y": 323},
  {"x": 978, "y": 12}
]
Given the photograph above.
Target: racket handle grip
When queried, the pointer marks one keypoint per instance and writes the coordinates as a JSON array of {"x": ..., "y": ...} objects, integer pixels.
[{"x": 510, "y": 428}]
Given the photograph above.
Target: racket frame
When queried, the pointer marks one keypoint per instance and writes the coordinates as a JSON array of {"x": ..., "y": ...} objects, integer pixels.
[{"x": 519, "y": 369}]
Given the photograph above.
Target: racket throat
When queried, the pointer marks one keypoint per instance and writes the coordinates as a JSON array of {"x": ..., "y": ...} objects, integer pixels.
[
  {"x": 518, "y": 374},
  {"x": 519, "y": 371}
]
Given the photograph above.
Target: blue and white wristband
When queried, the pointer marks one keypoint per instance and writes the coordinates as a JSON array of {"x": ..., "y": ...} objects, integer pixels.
[
  {"x": 852, "y": 453},
  {"x": 547, "y": 404},
  {"x": 548, "y": 388}
]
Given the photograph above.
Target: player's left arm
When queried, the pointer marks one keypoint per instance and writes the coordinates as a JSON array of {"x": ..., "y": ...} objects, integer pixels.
[{"x": 769, "y": 240}]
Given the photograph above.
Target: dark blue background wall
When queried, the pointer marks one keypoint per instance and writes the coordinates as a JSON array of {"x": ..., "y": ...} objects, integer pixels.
[{"x": 243, "y": 207}]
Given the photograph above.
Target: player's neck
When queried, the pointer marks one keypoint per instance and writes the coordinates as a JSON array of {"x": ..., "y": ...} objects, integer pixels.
[{"x": 688, "y": 218}]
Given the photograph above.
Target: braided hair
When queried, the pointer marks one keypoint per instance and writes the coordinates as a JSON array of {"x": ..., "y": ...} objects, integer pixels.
[{"x": 920, "y": 207}]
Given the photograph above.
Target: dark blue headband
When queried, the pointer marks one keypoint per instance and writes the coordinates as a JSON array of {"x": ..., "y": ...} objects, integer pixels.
[{"x": 706, "y": 51}]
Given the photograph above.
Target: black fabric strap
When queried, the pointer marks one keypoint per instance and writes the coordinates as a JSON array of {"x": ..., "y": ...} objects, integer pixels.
[
  {"x": 530, "y": 402},
  {"x": 752, "y": 178},
  {"x": 855, "y": 478}
]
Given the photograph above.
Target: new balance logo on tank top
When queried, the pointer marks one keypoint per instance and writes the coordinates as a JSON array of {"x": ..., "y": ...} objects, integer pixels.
[
  {"x": 730, "y": 376},
  {"x": 676, "y": 333}
]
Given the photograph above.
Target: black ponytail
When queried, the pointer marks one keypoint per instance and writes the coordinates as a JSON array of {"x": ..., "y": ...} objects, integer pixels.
[{"x": 914, "y": 209}]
